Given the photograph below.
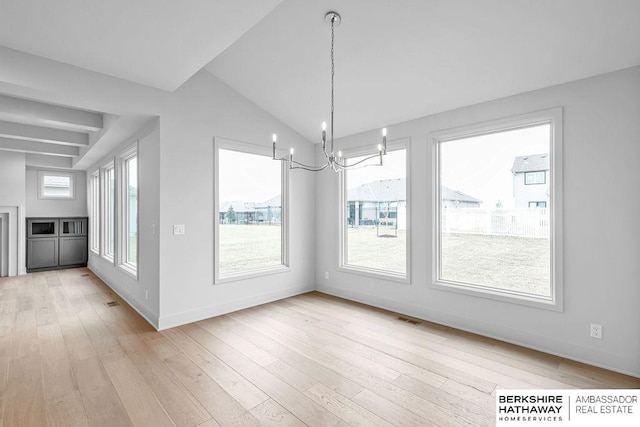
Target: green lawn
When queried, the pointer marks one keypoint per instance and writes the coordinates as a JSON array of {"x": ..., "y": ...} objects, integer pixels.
[
  {"x": 245, "y": 247},
  {"x": 366, "y": 249},
  {"x": 505, "y": 262},
  {"x": 516, "y": 263}
]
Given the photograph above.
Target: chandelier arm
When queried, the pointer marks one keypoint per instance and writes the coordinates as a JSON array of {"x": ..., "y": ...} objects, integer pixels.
[
  {"x": 293, "y": 164},
  {"x": 345, "y": 166}
]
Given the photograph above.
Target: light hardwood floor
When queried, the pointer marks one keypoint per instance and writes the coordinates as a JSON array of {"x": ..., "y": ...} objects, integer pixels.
[{"x": 68, "y": 359}]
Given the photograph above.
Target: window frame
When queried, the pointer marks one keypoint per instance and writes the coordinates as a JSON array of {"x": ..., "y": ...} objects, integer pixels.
[
  {"x": 395, "y": 145},
  {"x": 94, "y": 212},
  {"x": 106, "y": 212},
  {"x": 554, "y": 117},
  {"x": 122, "y": 207},
  {"x": 72, "y": 188},
  {"x": 244, "y": 147}
]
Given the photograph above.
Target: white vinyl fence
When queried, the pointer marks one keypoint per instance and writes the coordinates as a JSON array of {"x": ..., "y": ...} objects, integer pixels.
[{"x": 518, "y": 222}]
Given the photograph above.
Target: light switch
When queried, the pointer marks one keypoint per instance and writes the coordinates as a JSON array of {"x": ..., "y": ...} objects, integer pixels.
[{"x": 178, "y": 229}]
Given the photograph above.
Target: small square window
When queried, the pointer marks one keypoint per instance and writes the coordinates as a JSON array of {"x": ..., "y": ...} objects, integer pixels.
[
  {"x": 56, "y": 185},
  {"x": 537, "y": 177}
]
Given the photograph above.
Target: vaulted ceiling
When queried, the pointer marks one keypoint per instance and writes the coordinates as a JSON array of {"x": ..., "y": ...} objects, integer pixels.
[{"x": 395, "y": 60}]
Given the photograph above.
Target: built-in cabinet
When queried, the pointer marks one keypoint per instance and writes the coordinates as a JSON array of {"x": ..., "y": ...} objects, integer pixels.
[{"x": 54, "y": 243}]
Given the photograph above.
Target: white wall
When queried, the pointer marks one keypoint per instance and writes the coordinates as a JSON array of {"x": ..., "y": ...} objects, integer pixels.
[
  {"x": 142, "y": 293},
  {"x": 601, "y": 228},
  {"x": 55, "y": 208},
  {"x": 202, "y": 108},
  {"x": 12, "y": 202}
]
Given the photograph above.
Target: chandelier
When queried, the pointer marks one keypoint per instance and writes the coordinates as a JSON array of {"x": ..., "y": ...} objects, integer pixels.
[{"x": 333, "y": 160}]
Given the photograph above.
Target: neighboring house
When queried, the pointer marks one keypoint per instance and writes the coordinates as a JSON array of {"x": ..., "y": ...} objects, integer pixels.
[
  {"x": 269, "y": 212},
  {"x": 457, "y": 199},
  {"x": 379, "y": 203},
  {"x": 531, "y": 181},
  {"x": 385, "y": 202}
]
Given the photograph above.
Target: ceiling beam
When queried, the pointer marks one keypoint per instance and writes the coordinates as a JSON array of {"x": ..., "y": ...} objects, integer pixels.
[
  {"x": 42, "y": 134},
  {"x": 32, "y": 112},
  {"x": 25, "y": 146}
]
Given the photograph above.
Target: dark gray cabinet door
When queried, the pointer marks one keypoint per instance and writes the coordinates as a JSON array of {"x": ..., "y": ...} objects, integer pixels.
[
  {"x": 42, "y": 252},
  {"x": 73, "y": 250}
]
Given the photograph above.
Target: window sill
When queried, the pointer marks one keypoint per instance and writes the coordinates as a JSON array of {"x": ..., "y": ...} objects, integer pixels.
[
  {"x": 251, "y": 274},
  {"x": 502, "y": 295},
  {"x": 379, "y": 274},
  {"x": 129, "y": 270}
]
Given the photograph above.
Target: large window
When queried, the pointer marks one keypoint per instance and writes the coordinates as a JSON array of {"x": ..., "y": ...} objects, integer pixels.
[
  {"x": 109, "y": 214},
  {"x": 56, "y": 185},
  {"x": 250, "y": 213},
  {"x": 94, "y": 212},
  {"x": 375, "y": 215},
  {"x": 129, "y": 210},
  {"x": 491, "y": 240}
]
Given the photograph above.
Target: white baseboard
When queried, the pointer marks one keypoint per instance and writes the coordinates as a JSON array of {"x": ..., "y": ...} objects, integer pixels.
[
  {"x": 178, "y": 319},
  {"x": 500, "y": 332},
  {"x": 148, "y": 315}
]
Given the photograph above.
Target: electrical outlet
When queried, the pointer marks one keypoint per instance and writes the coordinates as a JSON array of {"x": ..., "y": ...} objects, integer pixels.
[
  {"x": 596, "y": 331},
  {"x": 326, "y": 275},
  {"x": 178, "y": 229}
]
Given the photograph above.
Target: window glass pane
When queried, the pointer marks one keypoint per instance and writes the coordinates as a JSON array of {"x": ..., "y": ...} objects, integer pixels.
[
  {"x": 109, "y": 211},
  {"x": 95, "y": 213},
  {"x": 131, "y": 167},
  {"x": 250, "y": 212},
  {"x": 376, "y": 214},
  {"x": 56, "y": 186},
  {"x": 494, "y": 225}
]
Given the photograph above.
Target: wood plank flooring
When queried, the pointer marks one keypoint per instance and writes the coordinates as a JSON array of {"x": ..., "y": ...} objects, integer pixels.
[{"x": 68, "y": 359}]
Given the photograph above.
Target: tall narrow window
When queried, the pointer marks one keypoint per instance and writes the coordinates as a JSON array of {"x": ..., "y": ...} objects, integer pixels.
[
  {"x": 250, "y": 216},
  {"x": 375, "y": 215},
  {"x": 109, "y": 214},
  {"x": 497, "y": 225},
  {"x": 130, "y": 211},
  {"x": 94, "y": 212}
]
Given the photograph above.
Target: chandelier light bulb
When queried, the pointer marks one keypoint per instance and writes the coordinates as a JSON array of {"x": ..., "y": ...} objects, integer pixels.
[
  {"x": 275, "y": 137},
  {"x": 332, "y": 161}
]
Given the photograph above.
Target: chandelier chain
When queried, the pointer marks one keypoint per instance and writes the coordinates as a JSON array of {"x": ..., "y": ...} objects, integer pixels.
[
  {"x": 333, "y": 72},
  {"x": 334, "y": 161}
]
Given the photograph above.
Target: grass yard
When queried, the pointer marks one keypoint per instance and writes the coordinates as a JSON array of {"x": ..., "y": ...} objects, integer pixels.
[
  {"x": 245, "y": 247},
  {"x": 514, "y": 263},
  {"x": 366, "y": 249}
]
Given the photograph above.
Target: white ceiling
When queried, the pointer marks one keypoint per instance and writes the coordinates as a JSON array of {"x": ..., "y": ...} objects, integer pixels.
[
  {"x": 398, "y": 60},
  {"x": 395, "y": 60},
  {"x": 156, "y": 43}
]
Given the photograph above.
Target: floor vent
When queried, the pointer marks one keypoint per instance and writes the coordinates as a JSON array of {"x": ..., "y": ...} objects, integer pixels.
[
  {"x": 405, "y": 319},
  {"x": 85, "y": 275},
  {"x": 112, "y": 303}
]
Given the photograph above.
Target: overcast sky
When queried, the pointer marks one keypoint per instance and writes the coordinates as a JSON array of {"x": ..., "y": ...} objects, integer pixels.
[
  {"x": 481, "y": 166},
  {"x": 247, "y": 177}
]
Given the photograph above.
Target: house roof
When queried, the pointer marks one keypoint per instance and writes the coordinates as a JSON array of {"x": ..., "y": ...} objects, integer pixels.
[
  {"x": 387, "y": 190},
  {"x": 455, "y": 195},
  {"x": 380, "y": 191},
  {"x": 530, "y": 163},
  {"x": 240, "y": 206}
]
